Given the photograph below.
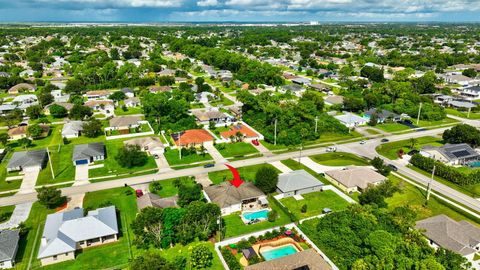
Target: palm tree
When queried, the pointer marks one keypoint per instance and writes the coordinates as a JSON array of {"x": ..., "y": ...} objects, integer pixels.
[{"x": 413, "y": 142}]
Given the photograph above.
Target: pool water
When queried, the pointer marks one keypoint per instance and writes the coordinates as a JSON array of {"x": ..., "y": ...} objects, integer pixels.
[
  {"x": 279, "y": 252},
  {"x": 256, "y": 215},
  {"x": 475, "y": 164}
]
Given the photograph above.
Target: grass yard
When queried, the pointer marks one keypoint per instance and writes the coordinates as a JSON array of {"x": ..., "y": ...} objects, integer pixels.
[
  {"x": 415, "y": 198},
  {"x": 111, "y": 167},
  {"x": 315, "y": 202},
  {"x": 186, "y": 251},
  {"x": 6, "y": 211},
  {"x": 392, "y": 127},
  {"x": 238, "y": 149},
  {"x": 115, "y": 255},
  {"x": 235, "y": 226},
  {"x": 61, "y": 158},
  {"x": 334, "y": 137},
  {"x": 372, "y": 131},
  {"x": 426, "y": 123},
  {"x": 295, "y": 165},
  {"x": 7, "y": 185},
  {"x": 473, "y": 115},
  {"x": 129, "y": 111},
  {"x": 173, "y": 158},
  {"x": 247, "y": 173},
  {"x": 339, "y": 159},
  {"x": 390, "y": 150},
  {"x": 223, "y": 102},
  {"x": 168, "y": 187}
]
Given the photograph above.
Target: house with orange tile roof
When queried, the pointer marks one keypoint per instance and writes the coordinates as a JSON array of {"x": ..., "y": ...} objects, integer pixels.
[
  {"x": 247, "y": 132},
  {"x": 192, "y": 137}
]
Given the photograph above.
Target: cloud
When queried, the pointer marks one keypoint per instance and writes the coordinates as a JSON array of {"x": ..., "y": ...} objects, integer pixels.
[{"x": 207, "y": 3}]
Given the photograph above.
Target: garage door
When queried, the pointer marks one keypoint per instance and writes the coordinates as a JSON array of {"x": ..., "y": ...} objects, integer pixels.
[{"x": 81, "y": 162}]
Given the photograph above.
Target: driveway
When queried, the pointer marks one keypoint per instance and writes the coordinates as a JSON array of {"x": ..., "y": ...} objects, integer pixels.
[
  {"x": 81, "y": 175},
  {"x": 215, "y": 154},
  {"x": 162, "y": 163},
  {"x": 318, "y": 168},
  {"x": 260, "y": 147},
  {"x": 280, "y": 166},
  {"x": 19, "y": 215},
  {"x": 203, "y": 179},
  {"x": 29, "y": 181},
  {"x": 74, "y": 201}
]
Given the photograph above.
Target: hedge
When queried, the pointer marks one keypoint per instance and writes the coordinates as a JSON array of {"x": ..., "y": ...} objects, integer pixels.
[
  {"x": 444, "y": 171},
  {"x": 230, "y": 259},
  {"x": 290, "y": 215}
]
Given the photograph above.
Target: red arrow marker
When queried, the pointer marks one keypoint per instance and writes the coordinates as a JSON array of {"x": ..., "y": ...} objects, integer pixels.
[{"x": 236, "y": 176}]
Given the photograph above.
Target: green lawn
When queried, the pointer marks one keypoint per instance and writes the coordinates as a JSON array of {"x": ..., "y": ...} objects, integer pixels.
[
  {"x": 186, "y": 251},
  {"x": 390, "y": 150},
  {"x": 426, "y": 123},
  {"x": 247, "y": 173},
  {"x": 315, "y": 202},
  {"x": 7, "y": 211},
  {"x": 173, "y": 158},
  {"x": 129, "y": 111},
  {"x": 392, "y": 127},
  {"x": 224, "y": 102},
  {"x": 334, "y": 137},
  {"x": 61, "y": 158},
  {"x": 111, "y": 167},
  {"x": 295, "y": 165},
  {"x": 236, "y": 149},
  {"x": 235, "y": 226},
  {"x": 372, "y": 131},
  {"x": 473, "y": 115},
  {"x": 415, "y": 198},
  {"x": 169, "y": 189},
  {"x": 7, "y": 185},
  {"x": 339, "y": 159}
]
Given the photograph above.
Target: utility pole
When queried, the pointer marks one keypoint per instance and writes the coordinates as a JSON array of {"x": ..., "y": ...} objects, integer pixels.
[
  {"x": 275, "y": 134},
  {"x": 300, "y": 156},
  {"x": 316, "y": 124},
  {"x": 50, "y": 161},
  {"x": 179, "y": 145},
  {"x": 469, "y": 110},
  {"x": 429, "y": 187},
  {"x": 419, "y": 111}
]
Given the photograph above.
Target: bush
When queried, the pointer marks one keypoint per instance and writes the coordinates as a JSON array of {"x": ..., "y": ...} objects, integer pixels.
[
  {"x": 252, "y": 240},
  {"x": 230, "y": 259},
  {"x": 201, "y": 257},
  {"x": 272, "y": 216},
  {"x": 243, "y": 244},
  {"x": 266, "y": 179},
  {"x": 304, "y": 208},
  {"x": 50, "y": 197},
  {"x": 155, "y": 187}
]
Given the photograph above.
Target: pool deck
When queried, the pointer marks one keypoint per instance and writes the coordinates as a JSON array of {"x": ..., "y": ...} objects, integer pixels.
[
  {"x": 267, "y": 245},
  {"x": 246, "y": 221}
]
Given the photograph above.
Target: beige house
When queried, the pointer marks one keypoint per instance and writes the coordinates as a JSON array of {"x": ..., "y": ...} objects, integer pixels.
[
  {"x": 152, "y": 145},
  {"x": 123, "y": 123},
  {"x": 354, "y": 179},
  {"x": 66, "y": 232}
]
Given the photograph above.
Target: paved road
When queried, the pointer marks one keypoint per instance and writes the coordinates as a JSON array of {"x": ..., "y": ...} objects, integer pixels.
[{"x": 367, "y": 150}]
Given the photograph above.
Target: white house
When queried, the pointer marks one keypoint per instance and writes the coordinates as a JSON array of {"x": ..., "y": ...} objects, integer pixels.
[
  {"x": 297, "y": 182},
  {"x": 351, "y": 120}
]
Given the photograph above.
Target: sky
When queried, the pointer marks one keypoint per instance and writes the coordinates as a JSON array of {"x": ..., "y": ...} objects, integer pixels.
[{"x": 239, "y": 10}]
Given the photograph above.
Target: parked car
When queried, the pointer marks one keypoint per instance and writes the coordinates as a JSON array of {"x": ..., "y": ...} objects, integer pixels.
[
  {"x": 393, "y": 167},
  {"x": 209, "y": 165},
  {"x": 155, "y": 156},
  {"x": 384, "y": 140},
  {"x": 331, "y": 149},
  {"x": 139, "y": 193},
  {"x": 363, "y": 142},
  {"x": 255, "y": 142}
]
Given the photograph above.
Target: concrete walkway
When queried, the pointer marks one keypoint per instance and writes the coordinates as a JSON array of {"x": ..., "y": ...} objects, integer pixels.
[
  {"x": 203, "y": 179},
  {"x": 29, "y": 181},
  {"x": 263, "y": 150},
  {"x": 215, "y": 154},
  {"x": 74, "y": 201},
  {"x": 19, "y": 215},
  {"x": 280, "y": 166},
  {"x": 318, "y": 168},
  {"x": 162, "y": 163}
]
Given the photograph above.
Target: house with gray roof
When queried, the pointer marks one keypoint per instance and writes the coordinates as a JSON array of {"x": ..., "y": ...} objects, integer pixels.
[
  {"x": 452, "y": 154},
  {"x": 72, "y": 129},
  {"x": 66, "y": 232},
  {"x": 461, "y": 237},
  {"x": 153, "y": 200},
  {"x": 304, "y": 260},
  {"x": 382, "y": 115},
  {"x": 27, "y": 160},
  {"x": 8, "y": 248},
  {"x": 88, "y": 153},
  {"x": 297, "y": 182}
]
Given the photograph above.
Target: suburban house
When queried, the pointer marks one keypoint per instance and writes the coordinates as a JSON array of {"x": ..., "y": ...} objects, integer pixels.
[
  {"x": 354, "y": 179},
  {"x": 301, "y": 81},
  {"x": 236, "y": 111},
  {"x": 88, "y": 153},
  {"x": 132, "y": 102},
  {"x": 22, "y": 87},
  {"x": 153, "y": 200},
  {"x": 20, "y": 132},
  {"x": 66, "y": 232},
  {"x": 6, "y": 108},
  {"x": 32, "y": 160},
  {"x": 472, "y": 92},
  {"x": 204, "y": 97},
  {"x": 106, "y": 107},
  {"x": 58, "y": 96},
  {"x": 246, "y": 132},
  {"x": 128, "y": 92},
  {"x": 382, "y": 115},
  {"x": 320, "y": 87},
  {"x": 97, "y": 94},
  {"x": 461, "y": 237},
  {"x": 166, "y": 72},
  {"x": 72, "y": 129},
  {"x": 304, "y": 260},
  {"x": 192, "y": 137},
  {"x": 297, "y": 182},
  {"x": 351, "y": 120},
  {"x": 205, "y": 116},
  {"x": 452, "y": 154},
  {"x": 457, "y": 79},
  {"x": 159, "y": 89},
  {"x": 334, "y": 100},
  {"x": 152, "y": 145},
  {"x": 8, "y": 248},
  {"x": 232, "y": 199},
  {"x": 66, "y": 105},
  {"x": 124, "y": 123},
  {"x": 25, "y": 101}
]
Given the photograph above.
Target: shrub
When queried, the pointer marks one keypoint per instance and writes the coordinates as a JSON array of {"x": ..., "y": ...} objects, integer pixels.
[
  {"x": 304, "y": 208},
  {"x": 201, "y": 257},
  {"x": 155, "y": 187},
  {"x": 230, "y": 259},
  {"x": 272, "y": 216},
  {"x": 243, "y": 244},
  {"x": 252, "y": 239}
]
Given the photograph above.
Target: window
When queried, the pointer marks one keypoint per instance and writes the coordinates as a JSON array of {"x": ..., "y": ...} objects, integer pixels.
[{"x": 54, "y": 257}]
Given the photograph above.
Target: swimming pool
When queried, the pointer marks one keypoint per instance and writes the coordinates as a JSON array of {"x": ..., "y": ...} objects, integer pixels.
[
  {"x": 474, "y": 164},
  {"x": 262, "y": 214},
  {"x": 279, "y": 252}
]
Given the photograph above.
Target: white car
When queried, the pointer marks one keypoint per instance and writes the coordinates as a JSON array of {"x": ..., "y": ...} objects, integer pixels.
[
  {"x": 363, "y": 142},
  {"x": 331, "y": 149}
]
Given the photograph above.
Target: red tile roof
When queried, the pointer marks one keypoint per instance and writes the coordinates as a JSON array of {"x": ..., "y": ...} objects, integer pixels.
[
  {"x": 194, "y": 136},
  {"x": 239, "y": 128}
]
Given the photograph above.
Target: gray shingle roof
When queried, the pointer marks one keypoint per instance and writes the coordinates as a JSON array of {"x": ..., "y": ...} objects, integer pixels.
[
  {"x": 307, "y": 258},
  {"x": 63, "y": 230},
  {"x": 458, "y": 151},
  {"x": 225, "y": 194},
  {"x": 27, "y": 158},
  {"x": 297, "y": 180},
  {"x": 153, "y": 200},
  {"x": 87, "y": 151},
  {"x": 8, "y": 244},
  {"x": 456, "y": 236}
]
